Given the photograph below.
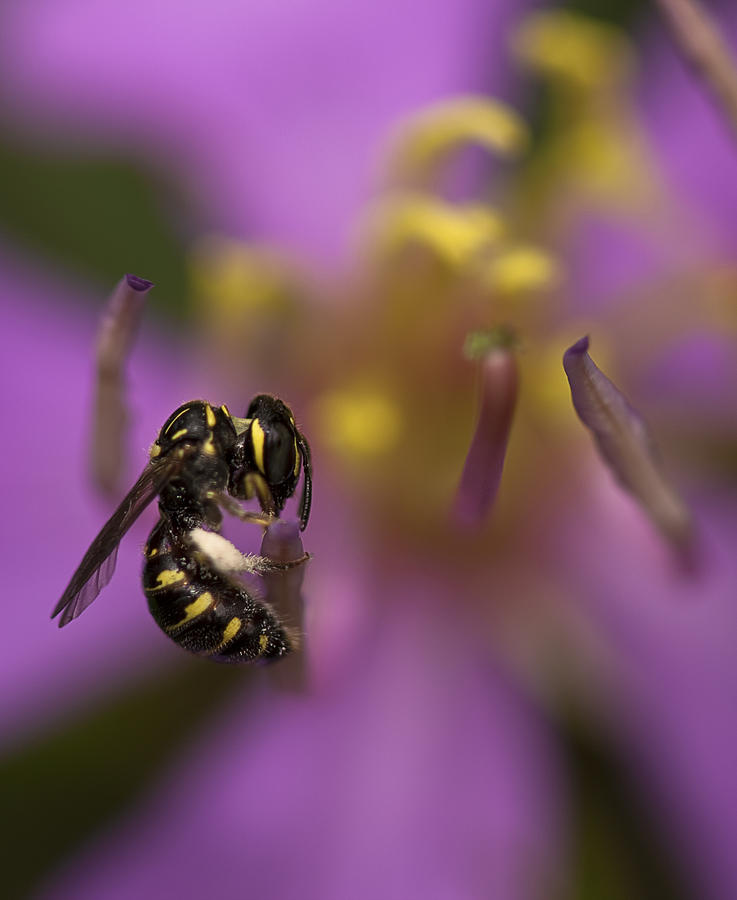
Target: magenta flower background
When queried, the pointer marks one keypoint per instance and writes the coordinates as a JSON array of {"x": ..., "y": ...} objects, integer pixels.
[
  {"x": 421, "y": 767},
  {"x": 694, "y": 146},
  {"x": 670, "y": 640},
  {"x": 387, "y": 784},
  {"x": 48, "y": 361},
  {"x": 270, "y": 113}
]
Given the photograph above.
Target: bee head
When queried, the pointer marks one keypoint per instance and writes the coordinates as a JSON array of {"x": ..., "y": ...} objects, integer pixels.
[{"x": 273, "y": 446}]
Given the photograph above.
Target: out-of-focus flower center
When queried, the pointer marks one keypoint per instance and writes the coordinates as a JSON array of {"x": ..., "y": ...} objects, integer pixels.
[{"x": 390, "y": 400}]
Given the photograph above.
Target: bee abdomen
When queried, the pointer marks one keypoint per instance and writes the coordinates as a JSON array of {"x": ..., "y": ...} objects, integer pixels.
[{"x": 206, "y": 613}]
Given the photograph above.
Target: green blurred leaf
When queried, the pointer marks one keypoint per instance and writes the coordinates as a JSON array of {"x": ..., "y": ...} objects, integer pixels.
[
  {"x": 618, "y": 12},
  {"x": 95, "y": 216},
  {"x": 617, "y": 850},
  {"x": 60, "y": 788}
]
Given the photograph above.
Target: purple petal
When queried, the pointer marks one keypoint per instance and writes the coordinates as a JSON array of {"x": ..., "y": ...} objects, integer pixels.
[
  {"x": 696, "y": 152},
  {"x": 422, "y": 768},
  {"x": 271, "y": 113},
  {"x": 624, "y": 443},
  {"x": 51, "y": 514},
  {"x": 668, "y": 643}
]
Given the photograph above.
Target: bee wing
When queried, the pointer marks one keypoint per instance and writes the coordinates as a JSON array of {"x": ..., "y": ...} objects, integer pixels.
[{"x": 98, "y": 564}]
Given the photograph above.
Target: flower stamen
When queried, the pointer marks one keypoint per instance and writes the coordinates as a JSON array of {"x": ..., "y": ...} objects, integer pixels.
[
  {"x": 482, "y": 471},
  {"x": 115, "y": 340}
]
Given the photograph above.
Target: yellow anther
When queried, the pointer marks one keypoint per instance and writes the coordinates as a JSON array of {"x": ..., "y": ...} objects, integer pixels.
[
  {"x": 453, "y": 233},
  {"x": 521, "y": 268},
  {"x": 231, "y": 277},
  {"x": 426, "y": 140},
  {"x": 579, "y": 51},
  {"x": 358, "y": 424}
]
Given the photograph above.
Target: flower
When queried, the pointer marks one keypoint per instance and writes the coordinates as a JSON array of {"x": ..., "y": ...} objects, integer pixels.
[{"x": 429, "y": 754}]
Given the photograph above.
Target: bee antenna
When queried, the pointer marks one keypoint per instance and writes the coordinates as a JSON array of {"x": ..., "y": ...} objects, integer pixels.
[{"x": 306, "y": 500}]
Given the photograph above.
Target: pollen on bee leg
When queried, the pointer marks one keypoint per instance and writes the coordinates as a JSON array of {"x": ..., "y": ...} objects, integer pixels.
[
  {"x": 482, "y": 471},
  {"x": 115, "y": 340}
]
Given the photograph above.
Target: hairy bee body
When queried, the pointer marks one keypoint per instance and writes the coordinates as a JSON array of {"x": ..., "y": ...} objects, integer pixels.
[
  {"x": 202, "y": 462},
  {"x": 202, "y": 610}
]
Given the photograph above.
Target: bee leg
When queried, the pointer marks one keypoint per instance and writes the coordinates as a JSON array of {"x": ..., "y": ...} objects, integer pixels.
[
  {"x": 235, "y": 509},
  {"x": 226, "y": 558},
  {"x": 255, "y": 485},
  {"x": 262, "y": 565}
]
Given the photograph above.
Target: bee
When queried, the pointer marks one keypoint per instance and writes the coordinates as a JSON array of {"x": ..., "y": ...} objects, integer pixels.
[{"x": 202, "y": 463}]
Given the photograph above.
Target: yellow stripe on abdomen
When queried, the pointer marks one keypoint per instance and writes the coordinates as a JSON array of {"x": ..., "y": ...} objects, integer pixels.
[
  {"x": 194, "y": 609},
  {"x": 167, "y": 578},
  {"x": 230, "y": 631}
]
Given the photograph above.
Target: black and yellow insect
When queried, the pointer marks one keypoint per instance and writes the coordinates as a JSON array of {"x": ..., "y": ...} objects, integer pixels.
[{"x": 203, "y": 461}]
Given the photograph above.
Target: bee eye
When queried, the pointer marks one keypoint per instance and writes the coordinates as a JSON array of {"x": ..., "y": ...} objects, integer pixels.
[{"x": 279, "y": 454}]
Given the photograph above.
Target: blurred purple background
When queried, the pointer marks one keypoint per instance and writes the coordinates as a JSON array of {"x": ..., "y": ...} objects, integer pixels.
[{"x": 540, "y": 707}]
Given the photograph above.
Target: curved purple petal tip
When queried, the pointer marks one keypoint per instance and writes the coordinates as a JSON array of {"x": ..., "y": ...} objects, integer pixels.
[
  {"x": 581, "y": 346},
  {"x": 624, "y": 443},
  {"x": 137, "y": 283}
]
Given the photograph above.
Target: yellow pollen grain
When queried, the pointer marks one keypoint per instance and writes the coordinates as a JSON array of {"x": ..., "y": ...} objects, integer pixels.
[
  {"x": 263, "y": 643},
  {"x": 194, "y": 609}
]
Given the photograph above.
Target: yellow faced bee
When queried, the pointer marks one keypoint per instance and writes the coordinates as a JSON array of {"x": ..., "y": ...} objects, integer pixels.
[{"x": 203, "y": 461}]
